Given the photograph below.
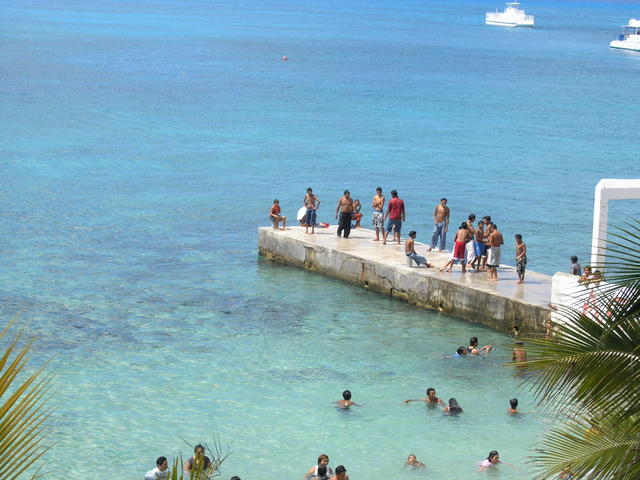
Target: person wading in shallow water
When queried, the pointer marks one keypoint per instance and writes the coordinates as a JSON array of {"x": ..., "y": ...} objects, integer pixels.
[{"x": 199, "y": 462}]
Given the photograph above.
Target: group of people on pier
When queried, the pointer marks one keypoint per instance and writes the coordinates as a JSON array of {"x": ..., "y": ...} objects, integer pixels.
[{"x": 476, "y": 244}]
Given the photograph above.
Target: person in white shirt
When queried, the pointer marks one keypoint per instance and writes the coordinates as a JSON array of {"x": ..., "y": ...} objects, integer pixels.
[{"x": 161, "y": 472}]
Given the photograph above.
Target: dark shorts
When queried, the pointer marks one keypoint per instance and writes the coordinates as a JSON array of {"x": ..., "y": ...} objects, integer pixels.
[
  {"x": 397, "y": 224},
  {"x": 521, "y": 265}
]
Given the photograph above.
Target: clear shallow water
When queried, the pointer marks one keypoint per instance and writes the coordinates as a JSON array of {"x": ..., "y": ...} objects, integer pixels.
[{"x": 142, "y": 144}]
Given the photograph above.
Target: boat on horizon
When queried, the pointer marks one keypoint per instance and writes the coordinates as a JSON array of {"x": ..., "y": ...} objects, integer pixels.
[
  {"x": 512, "y": 16},
  {"x": 629, "y": 39}
]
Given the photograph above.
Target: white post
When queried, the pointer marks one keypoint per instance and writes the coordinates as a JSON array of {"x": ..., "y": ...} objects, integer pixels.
[
  {"x": 608, "y": 189},
  {"x": 600, "y": 224}
]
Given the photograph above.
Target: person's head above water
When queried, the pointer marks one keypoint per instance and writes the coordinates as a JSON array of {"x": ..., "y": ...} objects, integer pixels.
[
  {"x": 464, "y": 225},
  {"x": 454, "y": 407},
  {"x": 379, "y": 189},
  {"x": 412, "y": 234},
  {"x": 431, "y": 392},
  {"x": 494, "y": 456},
  {"x": 514, "y": 403},
  {"x": 346, "y": 395},
  {"x": 473, "y": 342},
  {"x": 309, "y": 190},
  {"x": 411, "y": 458},
  {"x": 323, "y": 459},
  {"x": 394, "y": 193},
  {"x": 461, "y": 350},
  {"x": 574, "y": 259},
  {"x": 472, "y": 217},
  {"x": 198, "y": 450}
]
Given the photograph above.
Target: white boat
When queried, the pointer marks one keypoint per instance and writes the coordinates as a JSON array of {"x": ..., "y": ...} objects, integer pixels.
[
  {"x": 629, "y": 39},
  {"x": 511, "y": 17}
]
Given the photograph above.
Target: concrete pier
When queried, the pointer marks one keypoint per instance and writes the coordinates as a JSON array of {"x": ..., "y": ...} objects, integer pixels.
[{"x": 383, "y": 268}]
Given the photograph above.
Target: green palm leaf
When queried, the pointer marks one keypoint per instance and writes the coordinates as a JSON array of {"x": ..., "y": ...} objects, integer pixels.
[
  {"x": 23, "y": 411},
  {"x": 589, "y": 369}
]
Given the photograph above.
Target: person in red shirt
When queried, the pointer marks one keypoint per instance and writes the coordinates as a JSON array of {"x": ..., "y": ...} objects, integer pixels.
[
  {"x": 276, "y": 218},
  {"x": 396, "y": 215}
]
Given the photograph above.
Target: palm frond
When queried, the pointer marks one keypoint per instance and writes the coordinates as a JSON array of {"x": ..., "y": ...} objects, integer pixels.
[
  {"x": 23, "y": 411},
  {"x": 591, "y": 450},
  {"x": 589, "y": 369}
]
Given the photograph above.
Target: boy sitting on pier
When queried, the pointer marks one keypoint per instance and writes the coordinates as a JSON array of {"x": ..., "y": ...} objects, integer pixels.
[
  {"x": 276, "y": 218},
  {"x": 410, "y": 251}
]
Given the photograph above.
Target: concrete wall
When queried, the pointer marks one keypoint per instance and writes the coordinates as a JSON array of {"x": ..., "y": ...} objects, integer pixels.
[{"x": 430, "y": 291}]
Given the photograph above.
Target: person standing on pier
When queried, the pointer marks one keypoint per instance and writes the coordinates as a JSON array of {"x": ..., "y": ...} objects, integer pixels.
[
  {"x": 493, "y": 259},
  {"x": 345, "y": 210},
  {"x": 459, "y": 249},
  {"x": 378, "y": 213},
  {"x": 440, "y": 225},
  {"x": 487, "y": 244},
  {"x": 396, "y": 214},
  {"x": 521, "y": 258},
  {"x": 312, "y": 203}
]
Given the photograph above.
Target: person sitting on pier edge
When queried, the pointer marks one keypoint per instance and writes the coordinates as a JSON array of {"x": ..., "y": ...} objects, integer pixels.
[
  {"x": 410, "y": 251},
  {"x": 276, "y": 218}
]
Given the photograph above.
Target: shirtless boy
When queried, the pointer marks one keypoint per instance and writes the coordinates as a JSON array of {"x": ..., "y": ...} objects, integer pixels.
[
  {"x": 346, "y": 401},
  {"x": 519, "y": 354},
  {"x": 378, "y": 213},
  {"x": 276, "y": 218},
  {"x": 479, "y": 249},
  {"x": 410, "y": 251},
  {"x": 521, "y": 258},
  {"x": 440, "y": 224},
  {"x": 312, "y": 203},
  {"x": 493, "y": 258},
  {"x": 459, "y": 249},
  {"x": 344, "y": 209},
  {"x": 430, "y": 399},
  {"x": 485, "y": 239}
]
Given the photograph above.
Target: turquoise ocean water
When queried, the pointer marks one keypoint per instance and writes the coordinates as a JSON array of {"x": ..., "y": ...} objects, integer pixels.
[{"x": 142, "y": 144}]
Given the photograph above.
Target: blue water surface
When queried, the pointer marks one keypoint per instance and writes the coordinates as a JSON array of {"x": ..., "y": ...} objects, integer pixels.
[{"x": 143, "y": 142}]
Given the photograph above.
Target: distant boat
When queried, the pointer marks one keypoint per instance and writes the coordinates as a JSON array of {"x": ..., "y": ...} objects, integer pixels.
[
  {"x": 511, "y": 17},
  {"x": 629, "y": 39}
]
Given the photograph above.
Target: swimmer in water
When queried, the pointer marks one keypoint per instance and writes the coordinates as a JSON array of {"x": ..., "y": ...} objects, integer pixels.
[
  {"x": 491, "y": 461},
  {"x": 413, "y": 462},
  {"x": 453, "y": 408},
  {"x": 473, "y": 347},
  {"x": 346, "y": 400},
  {"x": 430, "y": 399},
  {"x": 323, "y": 461},
  {"x": 513, "y": 409}
]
